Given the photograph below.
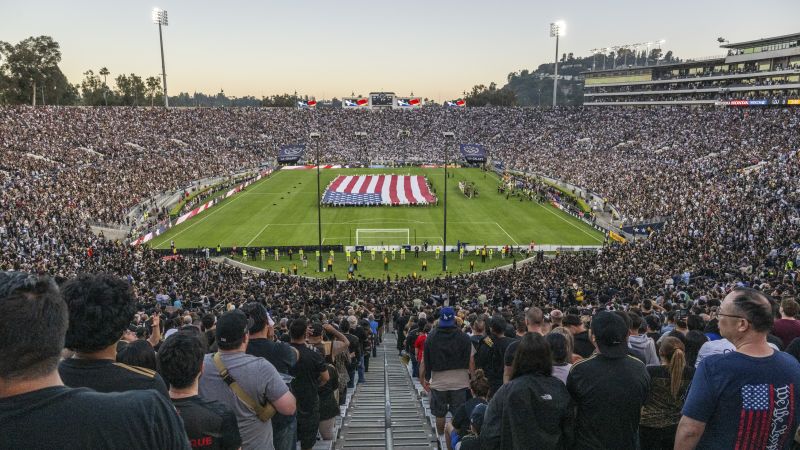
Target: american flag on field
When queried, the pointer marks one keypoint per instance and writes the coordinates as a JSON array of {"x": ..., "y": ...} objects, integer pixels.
[
  {"x": 767, "y": 412},
  {"x": 356, "y": 190}
]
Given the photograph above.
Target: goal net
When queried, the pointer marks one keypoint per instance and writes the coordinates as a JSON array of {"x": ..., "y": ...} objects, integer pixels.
[{"x": 383, "y": 236}]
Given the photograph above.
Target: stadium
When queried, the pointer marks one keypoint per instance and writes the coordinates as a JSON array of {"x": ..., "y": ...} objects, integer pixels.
[{"x": 397, "y": 273}]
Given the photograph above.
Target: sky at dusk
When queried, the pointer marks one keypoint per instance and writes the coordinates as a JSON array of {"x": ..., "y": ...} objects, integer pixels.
[{"x": 433, "y": 48}]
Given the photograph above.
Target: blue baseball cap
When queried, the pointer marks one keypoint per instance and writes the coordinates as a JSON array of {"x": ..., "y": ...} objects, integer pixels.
[{"x": 447, "y": 317}]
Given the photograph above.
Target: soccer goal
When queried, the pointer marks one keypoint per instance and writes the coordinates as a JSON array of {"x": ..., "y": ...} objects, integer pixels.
[{"x": 383, "y": 236}]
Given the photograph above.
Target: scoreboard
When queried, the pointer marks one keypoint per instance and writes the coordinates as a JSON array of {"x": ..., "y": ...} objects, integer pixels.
[{"x": 381, "y": 100}]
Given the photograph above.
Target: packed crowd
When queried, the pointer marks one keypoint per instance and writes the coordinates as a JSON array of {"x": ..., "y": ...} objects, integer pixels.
[{"x": 728, "y": 180}]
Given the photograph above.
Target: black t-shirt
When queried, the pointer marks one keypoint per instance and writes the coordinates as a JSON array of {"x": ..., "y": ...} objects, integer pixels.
[
  {"x": 209, "y": 424},
  {"x": 508, "y": 358},
  {"x": 278, "y": 354},
  {"x": 64, "y": 418},
  {"x": 354, "y": 346},
  {"x": 461, "y": 418},
  {"x": 496, "y": 363},
  {"x": 609, "y": 394},
  {"x": 362, "y": 338},
  {"x": 583, "y": 345},
  {"x": 306, "y": 374},
  {"x": 105, "y": 375}
]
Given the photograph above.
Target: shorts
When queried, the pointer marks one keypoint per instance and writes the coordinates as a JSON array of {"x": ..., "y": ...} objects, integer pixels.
[
  {"x": 307, "y": 426},
  {"x": 444, "y": 401}
]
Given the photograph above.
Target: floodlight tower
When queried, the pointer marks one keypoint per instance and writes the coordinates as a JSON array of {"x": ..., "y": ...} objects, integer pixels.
[
  {"x": 449, "y": 138},
  {"x": 160, "y": 18},
  {"x": 557, "y": 29},
  {"x": 314, "y": 136}
]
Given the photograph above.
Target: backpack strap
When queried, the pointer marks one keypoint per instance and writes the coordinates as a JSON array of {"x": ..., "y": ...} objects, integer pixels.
[{"x": 264, "y": 413}]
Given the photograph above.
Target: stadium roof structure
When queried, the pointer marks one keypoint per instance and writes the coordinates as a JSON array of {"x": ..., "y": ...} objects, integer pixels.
[{"x": 763, "y": 41}]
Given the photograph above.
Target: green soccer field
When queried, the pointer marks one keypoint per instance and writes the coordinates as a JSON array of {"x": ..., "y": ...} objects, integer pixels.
[{"x": 282, "y": 211}]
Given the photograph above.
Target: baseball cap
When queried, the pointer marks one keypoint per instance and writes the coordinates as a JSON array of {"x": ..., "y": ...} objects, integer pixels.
[
  {"x": 232, "y": 326},
  {"x": 611, "y": 334},
  {"x": 476, "y": 418},
  {"x": 556, "y": 314},
  {"x": 447, "y": 317}
]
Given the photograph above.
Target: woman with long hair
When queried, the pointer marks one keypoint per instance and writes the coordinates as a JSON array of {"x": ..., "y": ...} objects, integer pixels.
[
  {"x": 561, "y": 349},
  {"x": 669, "y": 383},
  {"x": 533, "y": 408}
]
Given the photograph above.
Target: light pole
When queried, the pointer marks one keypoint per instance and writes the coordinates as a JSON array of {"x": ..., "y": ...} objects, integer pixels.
[
  {"x": 557, "y": 29},
  {"x": 160, "y": 18},
  {"x": 448, "y": 137},
  {"x": 315, "y": 135}
]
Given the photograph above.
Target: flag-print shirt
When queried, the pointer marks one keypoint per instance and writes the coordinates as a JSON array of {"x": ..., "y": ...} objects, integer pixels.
[{"x": 746, "y": 402}]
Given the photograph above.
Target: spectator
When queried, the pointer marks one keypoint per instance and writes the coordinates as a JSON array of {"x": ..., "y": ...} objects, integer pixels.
[
  {"x": 460, "y": 426},
  {"x": 138, "y": 353},
  {"x": 787, "y": 328},
  {"x": 495, "y": 363},
  {"x": 560, "y": 342},
  {"x": 100, "y": 307},
  {"x": 693, "y": 342},
  {"x": 255, "y": 383},
  {"x": 731, "y": 391},
  {"x": 309, "y": 374},
  {"x": 328, "y": 393},
  {"x": 533, "y": 323},
  {"x": 38, "y": 411},
  {"x": 641, "y": 344},
  {"x": 609, "y": 389},
  {"x": 533, "y": 407},
  {"x": 283, "y": 357},
  {"x": 208, "y": 424},
  {"x": 472, "y": 440},
  {"x": 583, "y": 345},
  {"x": 449, "y": 358},
  {"x": 669, "y": 383}
]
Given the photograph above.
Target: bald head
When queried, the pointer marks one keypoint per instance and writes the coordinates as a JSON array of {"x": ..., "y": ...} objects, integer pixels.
[{"x": 755, "y": 306}]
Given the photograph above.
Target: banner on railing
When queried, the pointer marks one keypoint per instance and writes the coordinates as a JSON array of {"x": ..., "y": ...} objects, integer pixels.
[{"x": 161, "y": 229}]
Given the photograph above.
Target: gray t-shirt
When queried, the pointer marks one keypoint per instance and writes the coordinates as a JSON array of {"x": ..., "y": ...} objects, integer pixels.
[{"x": 259, "y": 379}]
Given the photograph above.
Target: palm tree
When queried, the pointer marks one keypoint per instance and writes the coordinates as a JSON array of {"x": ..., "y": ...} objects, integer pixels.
[{"x": 104, "y": 73}]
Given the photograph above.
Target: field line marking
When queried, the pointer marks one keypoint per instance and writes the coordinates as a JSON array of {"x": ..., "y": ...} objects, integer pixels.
[
  {"x": 567, "y": 221},
  {"x": 506, "y": 232},
  {"x": 215, "y": 210},
  {"x": 572, "y": 224},
  {"x": 259, "y": 234}
]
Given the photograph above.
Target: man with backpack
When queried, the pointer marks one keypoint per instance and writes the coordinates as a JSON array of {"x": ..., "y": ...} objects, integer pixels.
[{"x": 448, "y": 356}]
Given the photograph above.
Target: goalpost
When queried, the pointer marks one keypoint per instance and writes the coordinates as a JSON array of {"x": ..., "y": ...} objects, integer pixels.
[{"x": 383, "y": 236}]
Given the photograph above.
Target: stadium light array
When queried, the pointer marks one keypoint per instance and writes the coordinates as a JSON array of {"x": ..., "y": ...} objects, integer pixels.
[
  {"x": 557, "y": 29},
  {"x": 160, "y": 18}
]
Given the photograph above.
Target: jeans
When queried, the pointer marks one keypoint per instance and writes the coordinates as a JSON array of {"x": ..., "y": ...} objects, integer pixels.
[
  {"x": 284, "y": 436},
  {"x": 352, "y": 383},
  {"x": 361, "y": 378},
  {"x": 414, "y": 367}
]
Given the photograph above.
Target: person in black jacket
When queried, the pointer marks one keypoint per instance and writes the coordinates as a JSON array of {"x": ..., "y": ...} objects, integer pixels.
[
  {"x": 449, "y": 357},
  {"x": 533, "y": 408},
  {"x": 609, "y": 389}
]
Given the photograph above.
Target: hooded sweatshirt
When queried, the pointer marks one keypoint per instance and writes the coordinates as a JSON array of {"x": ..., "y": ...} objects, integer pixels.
[{"x": 645, "y": 348}]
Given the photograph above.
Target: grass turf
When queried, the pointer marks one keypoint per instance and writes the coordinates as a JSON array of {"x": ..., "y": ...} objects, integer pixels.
[
  {"x": 282, "y": 210},
  {"x": 368, "y": 268}
]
